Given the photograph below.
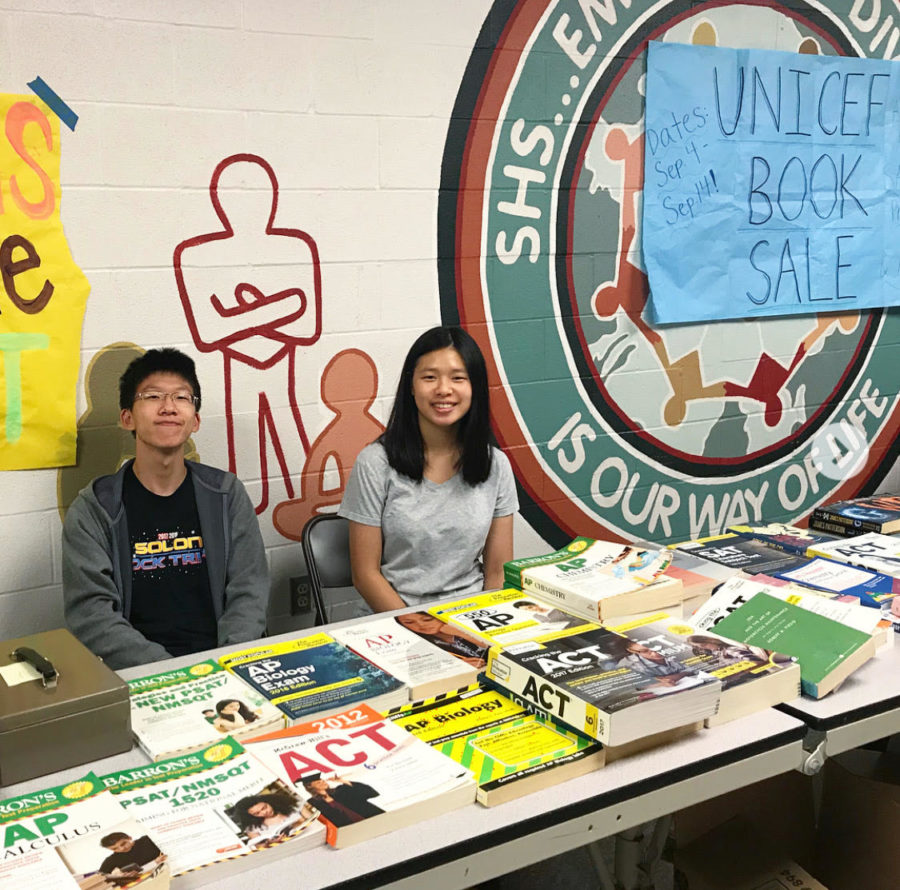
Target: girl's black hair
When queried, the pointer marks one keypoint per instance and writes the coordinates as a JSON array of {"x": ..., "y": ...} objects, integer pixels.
[
  {"x": 243, "y": 710},
  {"x": 281, "y": 803},
  {"x": 402, "y": 439}
]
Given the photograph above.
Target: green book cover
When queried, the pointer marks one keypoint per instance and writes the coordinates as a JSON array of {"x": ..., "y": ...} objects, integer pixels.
[
  {"x": 512, "y": 570},
  {"x": 820, "y": 644}
]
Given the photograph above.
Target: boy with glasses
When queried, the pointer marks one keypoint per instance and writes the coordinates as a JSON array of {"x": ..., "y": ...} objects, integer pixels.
[{"x": 164, "y": 557}]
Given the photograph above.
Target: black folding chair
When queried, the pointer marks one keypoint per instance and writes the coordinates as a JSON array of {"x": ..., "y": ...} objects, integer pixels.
[{"x": 325, "y": 541}]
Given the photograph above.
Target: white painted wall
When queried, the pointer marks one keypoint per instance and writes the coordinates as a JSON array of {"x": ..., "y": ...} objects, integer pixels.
[{"x": 348, "y": 100}]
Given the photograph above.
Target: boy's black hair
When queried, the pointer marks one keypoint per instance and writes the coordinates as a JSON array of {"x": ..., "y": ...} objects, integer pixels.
[
  {"x": 155, "y": 361},
  {"x": 402, "y": 438},
  {"x": 113, "y": 838}
]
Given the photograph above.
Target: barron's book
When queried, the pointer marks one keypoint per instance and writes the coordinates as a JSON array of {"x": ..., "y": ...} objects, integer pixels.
[
  {"x": 828, "y": 651},
  {"x": 314, "y": 675},
  {"x": 78, "y": 836},
  {"x": 416, "y": 658},
  {"x": 190, "y": 708},
  {"x": 753, "y": 677},
  {"x": 216, "y": 805},
  {"x": 605, "y": 685},
  {"x": 598, "y": 580},
  {"x": 511, "y": 751},
  {"x": 364, "y": 774},
  {"x": 501, "y": 617},
  {"x": 876, "y": 513}
]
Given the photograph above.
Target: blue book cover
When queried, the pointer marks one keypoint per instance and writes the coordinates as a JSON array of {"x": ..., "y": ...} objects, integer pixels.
[
  {"x": 312, "y": 675},
  {"x": 873, "y": 588},
  {"x": 876, "y": 513},
  {"x": 788, "y": 538}
]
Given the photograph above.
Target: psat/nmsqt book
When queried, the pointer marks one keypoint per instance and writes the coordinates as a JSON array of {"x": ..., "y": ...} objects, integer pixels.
[
  {"x": 511, "y": 751},
  {"x": 606, "y": 685},
  {"x": 216, "y": 805},
  {"x": 78, "y": 835},
  {"x": 598, "y": 580},
  {"x": 365, "y": 775},
  {"x": 187, "y": 709},
  {"x": 314, "y": 675}
]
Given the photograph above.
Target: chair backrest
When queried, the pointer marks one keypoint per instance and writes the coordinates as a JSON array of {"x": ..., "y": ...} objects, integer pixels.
[{"x": 325, "y": 541}]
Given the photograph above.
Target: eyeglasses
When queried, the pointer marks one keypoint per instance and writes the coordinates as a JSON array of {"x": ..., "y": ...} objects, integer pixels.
[{"x": 181, "y": 398}]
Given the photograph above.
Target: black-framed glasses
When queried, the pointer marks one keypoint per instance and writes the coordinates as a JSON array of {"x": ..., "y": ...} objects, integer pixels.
[{"x": 181, "y": 398}]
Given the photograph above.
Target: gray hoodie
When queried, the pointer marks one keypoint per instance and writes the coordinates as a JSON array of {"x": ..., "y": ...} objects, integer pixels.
[{"x": 96, "y": 563}]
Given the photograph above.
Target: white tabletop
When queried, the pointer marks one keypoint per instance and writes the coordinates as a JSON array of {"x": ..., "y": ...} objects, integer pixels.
[
  {"x": 477, "y": 843},
  {"x": 866, "y": 707}
]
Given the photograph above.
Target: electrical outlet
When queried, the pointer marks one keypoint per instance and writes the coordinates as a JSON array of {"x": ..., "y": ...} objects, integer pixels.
[{"x": 301, "y": 595}]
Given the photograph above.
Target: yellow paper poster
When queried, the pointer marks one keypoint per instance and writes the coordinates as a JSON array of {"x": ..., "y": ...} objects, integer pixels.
[{"x": 42, "y": 294}]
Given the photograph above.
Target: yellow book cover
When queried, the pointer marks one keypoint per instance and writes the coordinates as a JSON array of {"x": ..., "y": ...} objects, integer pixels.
[
  {"x": 502, "y": 617},
  {"x": 509, "y": 750}
]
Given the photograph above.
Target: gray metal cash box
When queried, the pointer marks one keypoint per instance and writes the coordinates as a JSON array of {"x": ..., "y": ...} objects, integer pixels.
[{"x": 74, "y": 712}]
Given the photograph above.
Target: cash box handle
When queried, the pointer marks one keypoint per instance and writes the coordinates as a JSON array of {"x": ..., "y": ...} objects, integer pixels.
[{"x": 49, "y": 674}]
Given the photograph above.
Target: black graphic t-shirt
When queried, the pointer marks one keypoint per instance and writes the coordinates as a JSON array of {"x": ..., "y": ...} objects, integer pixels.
[{"x": 170, "y": 599}]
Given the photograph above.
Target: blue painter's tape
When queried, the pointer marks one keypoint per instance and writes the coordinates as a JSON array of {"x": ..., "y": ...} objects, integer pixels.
[{"x": 57, "y": 105}]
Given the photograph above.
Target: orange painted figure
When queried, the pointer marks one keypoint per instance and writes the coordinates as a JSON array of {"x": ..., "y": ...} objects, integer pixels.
[{"x": 349, "y": 386}]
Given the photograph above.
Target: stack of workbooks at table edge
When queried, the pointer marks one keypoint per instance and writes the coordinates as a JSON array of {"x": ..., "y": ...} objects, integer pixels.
[
  {"x": 216, "y": 805},
  {"x": 365, "y": 775},
  {"x": 511, "y": 751},
  {"x": 754, "y": 557},
  {"x": 866, "y": 566},
  {"x": 314, "y": 675},
  {"x": 598, "y": 580},
  {"x": 605, "y": 685},
  {"x": 776, "y": 618},
  {"x": 52, "y": 840},
  {"x": 753, "y": 677},
  {"x": 187, "y": 709}
]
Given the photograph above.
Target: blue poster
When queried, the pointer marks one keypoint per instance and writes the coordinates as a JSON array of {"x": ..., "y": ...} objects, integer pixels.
[{"x": 770, "y": 183}]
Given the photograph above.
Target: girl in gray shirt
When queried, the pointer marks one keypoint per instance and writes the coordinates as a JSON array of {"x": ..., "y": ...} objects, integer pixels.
[{"x": 431, "y": 503}]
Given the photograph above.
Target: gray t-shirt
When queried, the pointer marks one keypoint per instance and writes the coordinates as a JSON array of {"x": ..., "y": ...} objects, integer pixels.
[{"x": 432, "y": 534}]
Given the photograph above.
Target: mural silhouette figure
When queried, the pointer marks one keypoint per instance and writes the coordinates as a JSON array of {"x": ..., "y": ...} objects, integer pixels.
[
  {"x": 102, "y": 445},
  {"x": 253, "y": 291},
  {"x": 348, "y": 386}
]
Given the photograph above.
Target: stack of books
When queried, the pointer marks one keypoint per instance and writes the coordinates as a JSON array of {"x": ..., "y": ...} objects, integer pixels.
[{"x": 598, "y": 580}]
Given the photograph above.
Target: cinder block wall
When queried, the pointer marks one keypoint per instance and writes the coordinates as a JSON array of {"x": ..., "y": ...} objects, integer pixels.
[{"x": 348, "y": 103}]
